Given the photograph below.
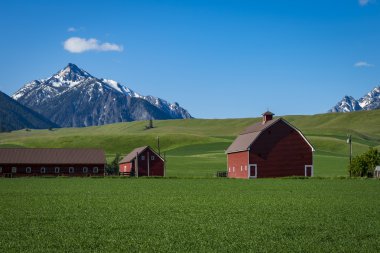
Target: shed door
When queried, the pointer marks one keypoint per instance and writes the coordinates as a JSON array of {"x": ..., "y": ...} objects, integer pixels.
[
  {"x": 308, "y": 170},
  {"x": 253, "y": 171}
]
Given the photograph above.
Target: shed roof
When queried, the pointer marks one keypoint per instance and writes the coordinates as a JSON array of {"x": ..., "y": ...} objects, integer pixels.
[
  {"x": 251, "y": 133},
  {"x": 51, "y": 156},
  {"x": 132, "y": 155}
]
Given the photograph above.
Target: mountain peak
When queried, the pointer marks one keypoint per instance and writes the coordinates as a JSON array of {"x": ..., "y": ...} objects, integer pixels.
[
  {"x": 73, "y": 97},
  {"x": 371, "y": 101},
  {"x": 72, "y": 73}
]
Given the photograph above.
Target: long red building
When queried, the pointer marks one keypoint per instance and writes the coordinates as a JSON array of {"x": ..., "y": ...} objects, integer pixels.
[
  {"x": 271, "y": 148},
  {"x": 15, "y": 162},
  {"x": 142, "y": 161}
]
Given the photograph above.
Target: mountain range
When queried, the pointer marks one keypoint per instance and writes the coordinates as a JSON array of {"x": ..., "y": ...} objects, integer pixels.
[
  {"x": 14, "y": 116},
  {"x": 74, "y": 98},
  {"x": 370, "y": 101}
]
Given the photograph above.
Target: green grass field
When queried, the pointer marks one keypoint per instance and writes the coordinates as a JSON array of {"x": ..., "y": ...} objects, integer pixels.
[
  {"x": 183, "y": 215},
  {"x": 195, "y": 147}
]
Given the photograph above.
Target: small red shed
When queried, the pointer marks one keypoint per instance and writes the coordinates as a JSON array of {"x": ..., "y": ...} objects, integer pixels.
[
  {"x": 271, "y": 148},
  {"x": 142, "y": 161}
]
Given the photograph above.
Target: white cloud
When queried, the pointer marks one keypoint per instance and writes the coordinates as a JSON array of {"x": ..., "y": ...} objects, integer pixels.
[
  {"x": 72, "y": 29},
  {"x": 363, "y": 64},
  {"x": 80, "y": 45},
  {"x": 365, "y": 2}
]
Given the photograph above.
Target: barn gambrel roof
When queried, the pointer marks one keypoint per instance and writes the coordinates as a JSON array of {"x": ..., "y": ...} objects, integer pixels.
[{"x": 247, "y": 138}]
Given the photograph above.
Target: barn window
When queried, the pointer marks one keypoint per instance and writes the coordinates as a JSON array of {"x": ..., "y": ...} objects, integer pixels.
[
  {"x": 43, "y": 170},
  {"x": 241, "y": 168},
  {"x": 96, "y": 169},
  {"x": 56, "y": 169},
  {"x": 28, "y": 170},
  {"x": 143, "y": 157},
  {"x": 152, "y": 157},
  {"x": 229, "y": 169},
  {"x": 85, "y": 169},
  {"x": 71, "y": 170},
  {"x": 1, "y": 169},
  {"x": 245, "y": 167},
  {"x": 14, "y": 169}
]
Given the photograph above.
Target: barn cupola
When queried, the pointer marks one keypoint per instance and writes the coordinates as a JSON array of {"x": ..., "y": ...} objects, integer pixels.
[{"x": 267, "y": 116}]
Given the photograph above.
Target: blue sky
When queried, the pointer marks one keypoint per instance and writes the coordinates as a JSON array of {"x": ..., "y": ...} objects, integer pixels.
[{"x": 217, "y": 58}]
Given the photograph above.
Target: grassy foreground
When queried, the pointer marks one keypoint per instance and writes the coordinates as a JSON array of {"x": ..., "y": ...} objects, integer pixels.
[{"x": 181, "y": 215}]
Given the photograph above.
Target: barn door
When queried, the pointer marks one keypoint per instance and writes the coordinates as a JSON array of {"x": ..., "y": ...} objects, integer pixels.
[
  {"x": 308, "y": 170},
  {"x": 252, "y": 171}
]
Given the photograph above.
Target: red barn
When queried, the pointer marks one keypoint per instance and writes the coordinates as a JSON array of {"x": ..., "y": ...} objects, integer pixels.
[
  {"x": 142, "y": 161},
  {"x": 51, "y": 162},
  {"x": 271, "y": 148}
]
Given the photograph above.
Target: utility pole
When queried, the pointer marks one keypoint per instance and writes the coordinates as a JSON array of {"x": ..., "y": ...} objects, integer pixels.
[
  {"x": 349, "y": 141},
  {"x": 137, "y": 165},
  {"x": 158, "y": 145}
]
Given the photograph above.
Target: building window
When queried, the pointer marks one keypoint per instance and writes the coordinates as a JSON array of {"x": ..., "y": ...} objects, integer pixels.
[
  {"x": 28, "y": 170},
  {"x": 245, "y": 167},
  {"x": 142, "y": 157},
  {"x": 229, "y": 169},
  {"x": 43, "y": 170},
  {"x": 241, "y": 168},
  {"x": 56, "y": 169},
  {"x": 14, "y": 169},
  {"x": 152, "y": 157},
  {"x": 96, "y": 169},
  {"x": 85, "y": 170},
  {"x": 71, "y": 170},
  {"x": 1, "y": 169}
]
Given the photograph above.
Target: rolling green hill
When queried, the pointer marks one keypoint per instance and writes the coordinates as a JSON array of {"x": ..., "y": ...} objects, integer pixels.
[{"x": 195, "y": 147}]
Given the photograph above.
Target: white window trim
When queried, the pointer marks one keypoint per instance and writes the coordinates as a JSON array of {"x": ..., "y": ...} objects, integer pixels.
[
  {"x": 143, "y": 158},
  {"x": 241, "y": 168},
  {"x": 312, "y": 170},
  {"x": 85, "y": 169},
  {"x": 28, "y": 170},
  {"x": 57, "y": 169},
  {"x": 71, "y": 170},
  {"x": 14, "y": 170},
  {"x": 249, "y": 171},
  {"x": 43, "y": 170},
  {"x": 96, "y": 170},
  {"x": 152, "y": 158}
]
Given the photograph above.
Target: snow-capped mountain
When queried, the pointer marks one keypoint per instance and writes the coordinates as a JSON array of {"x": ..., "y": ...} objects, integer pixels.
[
  {"x": 370, "y": 101},
  {"x": 74, "y": 98}
]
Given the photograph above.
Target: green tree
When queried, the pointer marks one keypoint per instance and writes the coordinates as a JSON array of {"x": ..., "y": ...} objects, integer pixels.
[
  {"x": 112, "y": 168},
  {"x": 364, "y": 165}
]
